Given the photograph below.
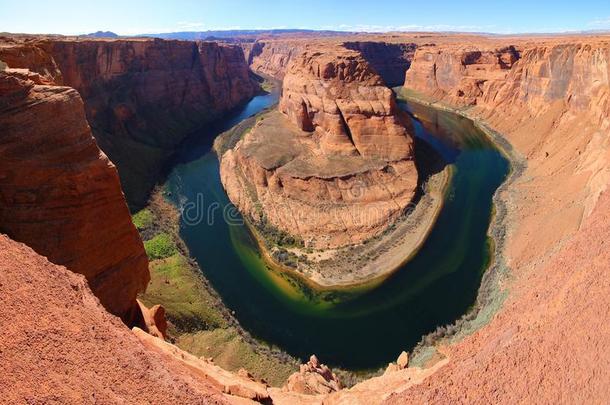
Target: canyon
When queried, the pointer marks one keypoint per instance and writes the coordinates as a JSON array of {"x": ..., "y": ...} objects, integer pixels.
[
  {"x": 539, "y": 328},
  {"x": 142, "y": 97}
]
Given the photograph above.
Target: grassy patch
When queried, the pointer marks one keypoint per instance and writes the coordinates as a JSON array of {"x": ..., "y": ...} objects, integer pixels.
[
  {"x": 160, "y": 247},
  {"x": 231, "y": 352},
  {"x": 143, "y": 219},
  {"x": 176, "y": 285}
]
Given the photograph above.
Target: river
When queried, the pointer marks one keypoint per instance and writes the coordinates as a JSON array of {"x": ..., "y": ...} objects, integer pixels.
[{"x": 365, "y": 328}]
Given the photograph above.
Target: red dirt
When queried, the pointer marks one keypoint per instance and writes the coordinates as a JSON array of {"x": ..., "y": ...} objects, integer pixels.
[
  {"x": 549, "y": 344},
  {"x": 59, "y": 345}
]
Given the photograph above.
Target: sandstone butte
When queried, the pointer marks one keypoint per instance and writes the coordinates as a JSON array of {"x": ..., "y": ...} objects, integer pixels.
[
  {"x": 142, "y": 97},
  {"x": 547, "y": 343},
  {"x": 337, "y": 167}
]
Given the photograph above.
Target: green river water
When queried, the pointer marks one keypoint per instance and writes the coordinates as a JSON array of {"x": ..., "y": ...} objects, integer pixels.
[{"x": 362, "y": 328}]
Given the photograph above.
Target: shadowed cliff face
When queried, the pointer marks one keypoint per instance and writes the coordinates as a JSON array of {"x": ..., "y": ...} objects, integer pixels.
[
  {"x": 272, "y": 58},
  {"x": 336, "y": 168},
  {"x": 391, "y": 61},
  {"x": 61, "y": 195},
  {"x": 142, "y": 97}
]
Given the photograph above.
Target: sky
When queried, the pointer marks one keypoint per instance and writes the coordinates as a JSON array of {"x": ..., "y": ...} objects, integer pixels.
[{"x": 126, "y": 17}]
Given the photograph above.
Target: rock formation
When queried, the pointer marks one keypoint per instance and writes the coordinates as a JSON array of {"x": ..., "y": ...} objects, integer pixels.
[
  {"x": 61, "y": 195},
  {"x": 59, "y": 345},
  {"x": 338, "y": 167},
  {"x": 142, "y": 97},
  {"x": 461, "y": 74},
  {"x": 313, "y": 378},
  {"x": 153, "y": 320},
  {"x": 272, "y": 58}
]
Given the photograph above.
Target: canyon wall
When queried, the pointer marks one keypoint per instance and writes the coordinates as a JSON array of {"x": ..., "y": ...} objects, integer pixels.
[
  {"x": 143, "y": 97},
  {"x": 390, "y": 60},
  {"x": 61, "y": 195},
  {"x": 550, "y": 98},
  {"x": 272, "y": 58},
  {"x": 337, "y": 167}
]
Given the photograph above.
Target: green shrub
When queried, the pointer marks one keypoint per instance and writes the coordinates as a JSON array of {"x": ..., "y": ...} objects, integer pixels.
[
  {"x": 142, "y": 219},
  {"x": 160, "y": 247}
]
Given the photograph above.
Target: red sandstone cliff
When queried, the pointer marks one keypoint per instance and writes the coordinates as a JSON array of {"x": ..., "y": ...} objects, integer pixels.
[
  {"x": 272, "y": 58},
  {"x": 61, "y": 195},
  {"x": 390, "y": 60},
  {"x": 142, "y": 97}
]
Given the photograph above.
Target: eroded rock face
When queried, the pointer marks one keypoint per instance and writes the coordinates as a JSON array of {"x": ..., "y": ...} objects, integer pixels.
[
  {"x": 341, "y": 95},
  {"x": 61, "y": 195},
  {"x": 337, "y": 168},
  {"x": 272, "y": 58},
  {"x": 390, "y": 60},
  {"x": 462, "y": 74},
  {"x": 142, "y": 97}
]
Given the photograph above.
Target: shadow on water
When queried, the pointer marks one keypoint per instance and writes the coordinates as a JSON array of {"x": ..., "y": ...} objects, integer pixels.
[{"x": 364, "y": 329}]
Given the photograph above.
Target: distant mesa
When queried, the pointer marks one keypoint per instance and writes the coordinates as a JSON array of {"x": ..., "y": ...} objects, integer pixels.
[{"x": 102, "y": 34}]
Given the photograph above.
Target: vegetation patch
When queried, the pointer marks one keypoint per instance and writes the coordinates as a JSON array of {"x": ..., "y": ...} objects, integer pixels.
[
  {"x": 231, "y": 352},
  {"x": 160, "y": 247},
  {"x": 143, "y": 219},
  {"x": 176, "y": 285},
  {"x": 198, "y": 320}
]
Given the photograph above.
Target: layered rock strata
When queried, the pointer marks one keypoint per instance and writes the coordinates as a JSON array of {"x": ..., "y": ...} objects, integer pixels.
[
  {"x": 336, "y": 168},
  {"x": 272, "y": 58},
  {"x": 142, "y": 97},
  {"x": 61, "y": 195}
]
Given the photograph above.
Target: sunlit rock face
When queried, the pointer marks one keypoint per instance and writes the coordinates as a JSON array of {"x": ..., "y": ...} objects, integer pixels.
[{"x": 61, "y": 195}]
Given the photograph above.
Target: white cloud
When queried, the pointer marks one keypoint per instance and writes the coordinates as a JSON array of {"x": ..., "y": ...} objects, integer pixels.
[{"x": 600, "y": 23}]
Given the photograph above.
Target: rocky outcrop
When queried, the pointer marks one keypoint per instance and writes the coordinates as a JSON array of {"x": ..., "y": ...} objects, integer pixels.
[
  {"x": 152, "y": 320},
  {"x": 338, "y": 167},
  {"x": 390, "y": 60},
  {"x": 313, "y": 378},
  {"x": 61, "y": 195},
  {"x": 338, "y": 93},
  {"x": 143, "y": 97},
  {"x": 60, "y": 345}
]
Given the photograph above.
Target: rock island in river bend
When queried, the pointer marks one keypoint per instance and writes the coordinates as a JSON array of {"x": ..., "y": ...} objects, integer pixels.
[{"x": 333, "y": 168}]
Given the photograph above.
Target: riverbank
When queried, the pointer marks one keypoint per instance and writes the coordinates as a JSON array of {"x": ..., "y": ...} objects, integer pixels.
[
  {"x": 199, "y": 321},
  {"x": 495, "y": 282}
]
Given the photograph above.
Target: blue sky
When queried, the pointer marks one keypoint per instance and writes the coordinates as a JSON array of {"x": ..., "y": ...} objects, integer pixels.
[{"x": 135, "y": 17}]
